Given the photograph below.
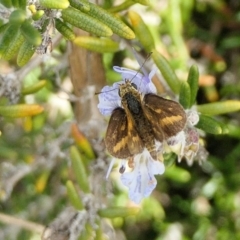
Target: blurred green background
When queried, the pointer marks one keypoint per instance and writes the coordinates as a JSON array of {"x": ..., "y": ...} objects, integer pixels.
[{"x": 199, "y": 202}]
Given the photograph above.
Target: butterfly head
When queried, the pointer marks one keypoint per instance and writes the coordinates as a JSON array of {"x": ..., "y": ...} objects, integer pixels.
[{"x": 127, "y": 87}]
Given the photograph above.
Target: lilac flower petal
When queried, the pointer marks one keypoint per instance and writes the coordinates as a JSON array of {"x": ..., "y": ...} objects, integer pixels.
[
  {"x": 108, "y": 100},
  {"x": 156, "y": 167},
  {"x": 192, "y": 136},
  {"x": 192, "y": 117},
  {"x": 177, "y": 144},
  {"x": 141, "y": 181},
  {"x": 134, "y": 182},
  {"x": 127, "y": 178},
  {"x": 106, "y": 107},
  {"x": 177, "y": 139},
  {"x": 128, "y": 73},
  {"x": 143, "y": 82},
  {"x": 109, "y": 93},
  {"x": 152, "y": 183},
  {"x": 140, "y": 184},
  {"x": 145, "y": 85}
]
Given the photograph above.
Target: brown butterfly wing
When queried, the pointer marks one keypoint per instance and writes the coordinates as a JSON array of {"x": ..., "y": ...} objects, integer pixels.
[
  {"x": 122, "y": 140},
  {"x": 166, "y": 116}
]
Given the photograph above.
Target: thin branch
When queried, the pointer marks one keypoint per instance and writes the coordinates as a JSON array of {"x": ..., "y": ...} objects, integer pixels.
[{"x": 31, "y": 226}]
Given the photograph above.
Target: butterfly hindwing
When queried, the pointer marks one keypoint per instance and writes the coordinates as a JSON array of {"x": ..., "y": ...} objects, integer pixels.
[
  {"x": 122, "y": 140},
  {"x": 166, "y": 116},
  {"x": 116, "y": 138}
]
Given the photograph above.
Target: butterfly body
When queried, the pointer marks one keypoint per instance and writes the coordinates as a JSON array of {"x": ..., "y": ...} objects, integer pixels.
[
  {"x": 141, "y": 121},
  {"x": 138, "y": 123}
]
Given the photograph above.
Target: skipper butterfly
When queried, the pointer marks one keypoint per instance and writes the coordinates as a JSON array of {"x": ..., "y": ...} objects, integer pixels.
[{"x": 141, "y": 121}]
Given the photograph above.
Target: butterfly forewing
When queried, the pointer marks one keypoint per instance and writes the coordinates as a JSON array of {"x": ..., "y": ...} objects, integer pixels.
[
  {"x": 122, "y": 140},
  {"x": 166, "y": 116}
]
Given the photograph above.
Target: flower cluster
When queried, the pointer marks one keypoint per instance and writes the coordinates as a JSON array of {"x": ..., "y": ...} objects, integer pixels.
[
  {"x": 141, "y": 181},
  {"x": 186, "y": 143}
]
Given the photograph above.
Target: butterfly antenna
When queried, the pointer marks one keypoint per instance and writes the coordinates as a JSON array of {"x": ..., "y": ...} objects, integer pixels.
[
  {"x": 148, "y": 56},
  {"x": 96, "y": 93}
]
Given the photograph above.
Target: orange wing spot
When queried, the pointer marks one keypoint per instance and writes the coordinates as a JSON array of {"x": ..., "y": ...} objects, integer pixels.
[
  {"x": 120, "y": 145},
  {"x": 171, "y": 120},
  {"x": 123, "y": 127},
  {"x": 158, "y": 110},
  {"x": 135, "y": 139},
  {"x": 130, "y": 125}
]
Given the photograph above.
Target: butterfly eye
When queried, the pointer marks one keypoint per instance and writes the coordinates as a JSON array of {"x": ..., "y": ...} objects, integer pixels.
[{"x": 134, "y": 85}]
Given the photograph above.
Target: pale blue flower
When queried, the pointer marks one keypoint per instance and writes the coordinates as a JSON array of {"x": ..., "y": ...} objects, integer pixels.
[
  {"x": 186, "y": 143},
  {"x": 141, "y": 180},
  {"x": 109, "y": 98}
]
